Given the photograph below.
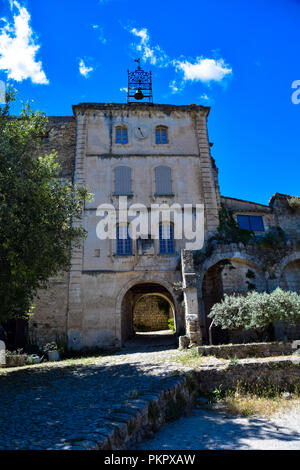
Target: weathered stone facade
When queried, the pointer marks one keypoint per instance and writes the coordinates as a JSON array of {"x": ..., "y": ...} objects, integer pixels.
[{"x": 93, "y": 304}]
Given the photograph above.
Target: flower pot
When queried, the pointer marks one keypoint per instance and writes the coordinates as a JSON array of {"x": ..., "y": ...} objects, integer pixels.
[
  {"x": 17, "y": 360},
  {"x": 53, "y": 356}
]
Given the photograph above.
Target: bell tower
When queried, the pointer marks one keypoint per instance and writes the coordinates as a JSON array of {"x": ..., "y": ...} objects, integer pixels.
[{"x": 139, "y": 85}]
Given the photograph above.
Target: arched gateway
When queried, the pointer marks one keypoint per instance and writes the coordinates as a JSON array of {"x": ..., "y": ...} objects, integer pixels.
[{"x": 137, "y": 291}]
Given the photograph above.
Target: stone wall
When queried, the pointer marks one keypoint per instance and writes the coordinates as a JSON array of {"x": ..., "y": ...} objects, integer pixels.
[
  {"x": 253, "y": 374},
  {"x": 151, "y": 313},
  {"x": 50, "y": 315},
  {"x": 61, "y": 137},
  {"x": 240, "y": 351}
]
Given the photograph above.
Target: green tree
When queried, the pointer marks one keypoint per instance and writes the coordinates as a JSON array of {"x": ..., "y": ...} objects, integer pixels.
[
  {"x": 36, "y": 211},
  {"x": 257, "y": 310}
]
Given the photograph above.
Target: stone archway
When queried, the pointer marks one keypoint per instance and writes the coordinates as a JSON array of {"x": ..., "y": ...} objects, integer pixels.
[
  {"x": 289, "y": 273},
  {"x": 132, "y": 293},
  {"x": 240, "y": 276}
]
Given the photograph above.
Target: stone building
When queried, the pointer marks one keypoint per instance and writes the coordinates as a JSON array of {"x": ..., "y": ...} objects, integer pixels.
[{"x": 154, "y": 153}]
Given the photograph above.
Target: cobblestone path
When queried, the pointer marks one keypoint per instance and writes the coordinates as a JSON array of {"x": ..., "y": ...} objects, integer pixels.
[{"x": 71, "y": 404}]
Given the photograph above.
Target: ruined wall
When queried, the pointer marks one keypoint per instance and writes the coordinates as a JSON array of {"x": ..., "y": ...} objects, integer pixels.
[
  {"x": 287, "y": 218},
  {"x": 61, "y": 136}
]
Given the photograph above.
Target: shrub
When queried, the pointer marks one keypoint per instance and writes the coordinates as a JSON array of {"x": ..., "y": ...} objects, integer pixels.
[
  {"x": 256, "y": 310},
  {"x": 294, "y": 203}
]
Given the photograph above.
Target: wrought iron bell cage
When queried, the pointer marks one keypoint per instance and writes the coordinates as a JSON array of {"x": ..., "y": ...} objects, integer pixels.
[{"x": 139, "y": 85}]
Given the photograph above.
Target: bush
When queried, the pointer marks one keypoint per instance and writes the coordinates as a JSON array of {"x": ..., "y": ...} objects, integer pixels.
[
  {"x": 294, "y": 203},
  {"x": 257, "y": 310}
]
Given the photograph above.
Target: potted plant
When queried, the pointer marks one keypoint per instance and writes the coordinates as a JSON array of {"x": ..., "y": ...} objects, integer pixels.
[
  {"x": 51, "y": 349},
  {"x": 15, "y": 358}
]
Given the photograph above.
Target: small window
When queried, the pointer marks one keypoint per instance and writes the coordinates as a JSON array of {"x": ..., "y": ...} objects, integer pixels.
[
  {"x": 122, "y": 181},
  {"x": 121, "y": 135},
  {"x": 161, "y": 135},
  {"x": 163, "y": 182},
  {"x": 166, "y": 239},
  {"x": 251, "y": 222},
  {"x": 124, "y": 245}
]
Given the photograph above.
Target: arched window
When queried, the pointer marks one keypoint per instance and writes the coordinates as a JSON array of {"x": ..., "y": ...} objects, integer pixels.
[
  {"x": 122, "y": 181},
  {"x": 163, "y": 182},
  {"x": 161, "y": 135},
  {"x": 166, "y": 238},
  {"x": 124, "y": 244},
  {"x": 121, "y": 135}
]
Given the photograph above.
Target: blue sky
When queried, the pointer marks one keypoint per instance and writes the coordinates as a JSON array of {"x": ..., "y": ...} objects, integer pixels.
[{"x": 240, "y": 57}]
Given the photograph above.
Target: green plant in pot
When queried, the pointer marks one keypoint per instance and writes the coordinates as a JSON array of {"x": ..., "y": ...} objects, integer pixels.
[
  {"x": 15, "y": 358},
  {"x": 51, "y": 349}
]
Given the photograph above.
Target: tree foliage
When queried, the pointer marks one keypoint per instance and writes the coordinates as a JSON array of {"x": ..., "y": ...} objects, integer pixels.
[
  {"x": 257, "y": 310},
  {"x": 36, "y": 211}
]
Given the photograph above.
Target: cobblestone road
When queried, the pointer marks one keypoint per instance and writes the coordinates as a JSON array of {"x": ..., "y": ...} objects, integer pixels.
[{"x": 71, "y": 404}]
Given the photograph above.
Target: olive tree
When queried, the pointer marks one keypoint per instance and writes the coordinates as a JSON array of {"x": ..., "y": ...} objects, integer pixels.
[{"x": 257, "y": 310}]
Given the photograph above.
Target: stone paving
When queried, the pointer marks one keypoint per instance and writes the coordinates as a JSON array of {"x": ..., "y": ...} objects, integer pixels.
[
  {"x": 72, "y": 404},
  {"x": 212, "y": 430}
]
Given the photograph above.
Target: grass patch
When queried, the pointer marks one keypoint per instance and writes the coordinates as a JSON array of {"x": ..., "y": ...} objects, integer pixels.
[
  {"x": 249, "y": 405},
  {"x": 262, "y": 400},
  {"x": 186, "y": 357}
]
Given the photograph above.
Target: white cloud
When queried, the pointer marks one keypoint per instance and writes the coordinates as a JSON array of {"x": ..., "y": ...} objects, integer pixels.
[
  {"x": 203, "y": 69},
  {"x": 124, "y": 89},
  {"x": 176, "y": 87},
  {"x": 200, "y": 69},
  {"x": 204, "y": 97},
  {"x": 18, "y": 48},
  {"x": 155, "y": 55},
  {"x": 100, "y": 32},
  {"x": 84, "y": 69}
]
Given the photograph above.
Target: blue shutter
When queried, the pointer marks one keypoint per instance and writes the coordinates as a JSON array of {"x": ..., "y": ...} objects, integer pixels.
[
  {"x": 256, "y": 223},
  {"x": 166, "y": 239},
  {"x": 243, "y": 222},
  {"x": 122, "y": 181},
  {"x": 163, "y": 182},
  {"x": 124, "y": 245}
]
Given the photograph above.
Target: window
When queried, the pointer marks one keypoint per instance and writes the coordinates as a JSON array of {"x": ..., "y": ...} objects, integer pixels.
[
  {"x": 121, "y": 135},
  {"x": 124, "y": 245},
  {"x": 163, "y": 182},
  {"x": 251, "y": 222},
  {"x": 122, "y": 181},
  {"x": 166, "y": 239},
  {"x": 161, "y": 135}
]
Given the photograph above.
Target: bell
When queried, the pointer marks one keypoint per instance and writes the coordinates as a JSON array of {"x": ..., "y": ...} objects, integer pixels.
[{"x": 139, "y": 95}]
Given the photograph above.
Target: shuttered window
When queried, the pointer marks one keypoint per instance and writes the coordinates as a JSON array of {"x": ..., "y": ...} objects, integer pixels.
[
  {"x": 166, "y": 238},
  {"x": 122, "y": 181},
  {"x": 163, "y": 182},
  {"x": 121, "y": 135},
  {"x": 161, "y": 135},
  {"x": 124, "y": 245},
  {"x": 251, "y": 222}
]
